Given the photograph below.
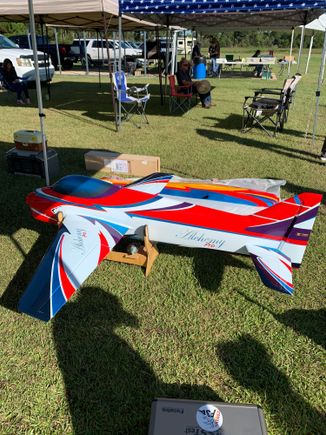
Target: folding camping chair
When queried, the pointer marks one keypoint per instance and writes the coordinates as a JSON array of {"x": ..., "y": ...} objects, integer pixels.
[
  {"x": 133, "y": 100},
  {"x": 180, "y": 96},
  {"x": 275, "y": 110}
]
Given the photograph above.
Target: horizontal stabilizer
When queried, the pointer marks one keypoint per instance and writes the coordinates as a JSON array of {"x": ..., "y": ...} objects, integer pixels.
[
  {"x": 274, "y": 268},
  {"x": 152, "y": 184}
]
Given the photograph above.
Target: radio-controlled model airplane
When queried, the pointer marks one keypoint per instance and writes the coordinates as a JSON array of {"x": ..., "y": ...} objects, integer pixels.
[{"x": 95, "y": 215}]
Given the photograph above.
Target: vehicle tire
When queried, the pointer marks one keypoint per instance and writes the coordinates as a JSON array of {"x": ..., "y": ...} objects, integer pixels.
[
  {"x": 67, "y": 64},
  {"x": 90, "y": 62}
]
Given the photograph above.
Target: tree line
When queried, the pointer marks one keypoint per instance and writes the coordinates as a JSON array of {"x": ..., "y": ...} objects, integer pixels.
[{"x": 257, "y": 38}]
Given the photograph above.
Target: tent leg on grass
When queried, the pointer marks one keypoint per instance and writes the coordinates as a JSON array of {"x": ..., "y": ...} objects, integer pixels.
[
  {"x": 38, "y": 90},
  {"x": 320, "y": 81}
]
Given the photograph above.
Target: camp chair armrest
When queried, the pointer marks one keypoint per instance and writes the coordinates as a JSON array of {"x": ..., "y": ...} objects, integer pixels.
[
  {"x": 272, "y": 91},
  {"x": 134, "y": 90},
  {"x": 187, "y": 87},
  {"x": 245, "y": 103}
]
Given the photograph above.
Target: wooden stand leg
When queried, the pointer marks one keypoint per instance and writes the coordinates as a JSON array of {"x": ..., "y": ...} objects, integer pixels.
[
  {"x": 151, "y": 251},
  {"x": 145, "y": 256}
]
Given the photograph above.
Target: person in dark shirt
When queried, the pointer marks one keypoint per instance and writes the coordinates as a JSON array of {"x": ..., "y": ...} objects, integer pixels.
[
  {"x": 13, "y": 82},
  {"x": 196, "y": 51},
  {"x": 258, "y": 68},
  {"x": 184, "y": 79},
  {"x": 214, "y": 53}
]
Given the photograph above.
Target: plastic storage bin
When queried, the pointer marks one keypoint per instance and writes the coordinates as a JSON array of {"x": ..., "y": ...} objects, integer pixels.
[{"x": 199, "y": 68}]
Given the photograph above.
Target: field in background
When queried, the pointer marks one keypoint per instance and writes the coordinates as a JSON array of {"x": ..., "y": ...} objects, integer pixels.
[{"x": 202, "y": 325}]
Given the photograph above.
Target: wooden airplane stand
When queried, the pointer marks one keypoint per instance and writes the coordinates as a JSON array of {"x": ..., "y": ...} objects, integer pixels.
[{"x": 145, "y": 257}]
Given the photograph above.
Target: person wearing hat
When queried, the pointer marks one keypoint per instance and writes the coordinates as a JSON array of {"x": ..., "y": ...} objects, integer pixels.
[{"x": 202, "y": 88}]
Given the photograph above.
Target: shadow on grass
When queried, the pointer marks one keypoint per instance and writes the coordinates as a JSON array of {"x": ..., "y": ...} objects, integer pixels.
[
  {"x": 209, "y": 265},
  {"x": 109, "y": 387},
  {"x": 241, "y": 139},
  {"x": 249, "y": 363},
  {"x": 234, "y": 122},
  {"x": 311, "y": 323},
  {"x": 15, "y": 216}
]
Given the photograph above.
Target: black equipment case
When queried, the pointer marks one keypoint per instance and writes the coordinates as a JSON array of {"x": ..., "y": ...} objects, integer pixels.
[{"x": 32, "y": 162}]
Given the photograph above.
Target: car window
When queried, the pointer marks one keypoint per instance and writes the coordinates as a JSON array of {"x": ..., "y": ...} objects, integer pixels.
[{"x": 6, "y": 43}]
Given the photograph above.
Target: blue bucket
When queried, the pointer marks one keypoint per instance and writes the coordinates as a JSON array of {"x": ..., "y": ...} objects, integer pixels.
[{"x": 200, "y": 68}]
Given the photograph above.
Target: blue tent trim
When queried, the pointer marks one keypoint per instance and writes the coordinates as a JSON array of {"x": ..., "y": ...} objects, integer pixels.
[{"x": 215, "y": 6}]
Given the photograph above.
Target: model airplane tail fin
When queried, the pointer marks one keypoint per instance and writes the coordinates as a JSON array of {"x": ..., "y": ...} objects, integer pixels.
[
  {"x": 152, "y": 184},
  {"x": 292, "y": 220},
  {"x": 274, "y": 268}
]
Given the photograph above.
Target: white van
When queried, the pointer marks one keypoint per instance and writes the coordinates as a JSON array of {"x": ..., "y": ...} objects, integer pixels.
[
  {"x": 184, "y": 45},
  {"x": 23, "y": 61},
  {"x": 97, "y": 52}
]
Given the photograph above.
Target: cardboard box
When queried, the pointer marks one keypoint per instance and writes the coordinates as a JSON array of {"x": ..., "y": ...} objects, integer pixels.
[
  {"x": 28, "y": 140},
  {"x": 127, "y": 164}
]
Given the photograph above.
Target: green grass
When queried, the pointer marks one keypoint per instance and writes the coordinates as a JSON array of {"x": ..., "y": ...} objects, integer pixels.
[{"x": 202, "y": 325}]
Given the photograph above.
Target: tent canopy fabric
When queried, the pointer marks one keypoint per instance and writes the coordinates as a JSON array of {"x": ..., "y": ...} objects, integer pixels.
[
  {"x": 210, "y": 15},
  {"x": 83, "y": 13},
  {"x": 318, "y": 24}
]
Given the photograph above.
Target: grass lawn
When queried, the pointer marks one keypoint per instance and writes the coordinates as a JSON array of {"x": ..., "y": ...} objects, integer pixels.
[{"x": 202, "y": 325}]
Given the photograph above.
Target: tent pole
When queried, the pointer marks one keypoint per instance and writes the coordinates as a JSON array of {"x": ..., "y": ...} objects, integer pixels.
[
  {"x": 38, "y": 89},
  {"x": 145, "y": 53},
  {"x": 167, "y": 55},
  {"x": 98, "y": 59},
  {"x": 85, "y": 54},
  {"x": 120, "y": 62},
  {"x": 176, "y": 53},
  {"x": 309, "y": 54},
  {"x": 320, "y": 80},
  {"x": 110, "y": 69},
  {"x": 291, "y": 49},
  {"x": 323, "y": 73},
  {"x": 114, "y": 53},
  {"x": 173, "y": 51},
  {"x": 185, "y": 43},
  {"x": 158, "y": 51},
  {"x": 57, "y": 49},
  {"x": 300, "y": 48}
]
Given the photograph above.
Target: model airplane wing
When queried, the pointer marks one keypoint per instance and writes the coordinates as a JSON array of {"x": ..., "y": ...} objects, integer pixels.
[{"x": 79, "y": 247}]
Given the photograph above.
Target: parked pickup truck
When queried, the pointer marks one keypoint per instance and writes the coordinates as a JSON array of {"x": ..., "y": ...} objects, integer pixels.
[
  {"x": 23, "y": 61},
  {"x": 66, "y": 60}
]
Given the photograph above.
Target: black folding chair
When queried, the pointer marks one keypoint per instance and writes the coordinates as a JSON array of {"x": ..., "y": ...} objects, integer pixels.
[{"x": 269, "y": 105}]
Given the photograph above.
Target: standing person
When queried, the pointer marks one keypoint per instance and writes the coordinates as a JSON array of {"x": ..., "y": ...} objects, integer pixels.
[
  {"x": 196, "y": 51},
  {"x": 13, "y": 82},
  {"x": 214, "y": 53},
  {"x": 258, "y": 68},
  {"x": 184, "y": 79}
]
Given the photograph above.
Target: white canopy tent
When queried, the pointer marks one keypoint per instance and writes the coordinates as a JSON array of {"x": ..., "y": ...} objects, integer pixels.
[
  {"x": 316, "y": 25},
  {"x": 90, "y": 14},
  {"x": 319, "y": 25}
]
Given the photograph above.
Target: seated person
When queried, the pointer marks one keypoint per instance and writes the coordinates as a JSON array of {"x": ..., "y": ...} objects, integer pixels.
[
  {"x": 13, "y": 82},
  {"x": 184, "y": 79}
]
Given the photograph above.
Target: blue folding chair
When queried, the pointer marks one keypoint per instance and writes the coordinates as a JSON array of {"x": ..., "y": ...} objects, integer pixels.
[{"x": 133, "y": 100}]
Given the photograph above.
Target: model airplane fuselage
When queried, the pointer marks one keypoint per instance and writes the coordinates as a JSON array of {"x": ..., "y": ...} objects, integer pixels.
[{"x": 97, "y": 214}]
